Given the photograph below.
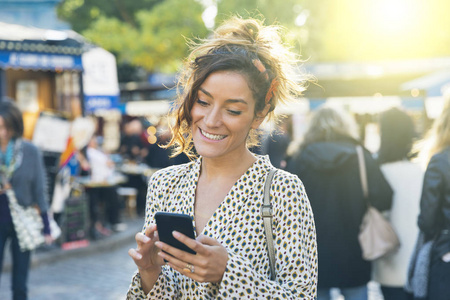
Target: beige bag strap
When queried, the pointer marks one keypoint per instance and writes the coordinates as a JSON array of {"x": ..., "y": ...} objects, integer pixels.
[
  {"x": 266, "y": 213},
  {"x": 362, "y": 171}
]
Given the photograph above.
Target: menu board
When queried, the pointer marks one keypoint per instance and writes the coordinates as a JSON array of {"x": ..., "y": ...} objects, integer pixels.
[{"x": 75, "y": 221}]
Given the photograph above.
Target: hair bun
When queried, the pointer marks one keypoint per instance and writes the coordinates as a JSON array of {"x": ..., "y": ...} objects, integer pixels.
[{"x": 240, "y": 29}]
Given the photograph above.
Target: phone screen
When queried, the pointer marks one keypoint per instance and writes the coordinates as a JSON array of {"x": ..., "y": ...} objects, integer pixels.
[{"x": 168, "y": 222}]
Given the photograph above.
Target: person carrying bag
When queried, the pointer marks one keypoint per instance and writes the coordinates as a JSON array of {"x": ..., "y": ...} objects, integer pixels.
[
  {"x": 377, "y": 237},
  {"x": 22, "y": 188},
  {"x": 327, "y": 163}
]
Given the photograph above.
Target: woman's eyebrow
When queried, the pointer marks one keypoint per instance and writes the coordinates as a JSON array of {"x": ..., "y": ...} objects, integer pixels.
[
  {"x": 228, "y": 100},
  {"x": 205, "y": 92},
  {"x": 237, "y": 101}
]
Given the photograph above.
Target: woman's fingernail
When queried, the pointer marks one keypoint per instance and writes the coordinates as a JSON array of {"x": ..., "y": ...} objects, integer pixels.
[
  {"x": 146, "y": 239},
  {"x": 176, "y": 234},
  {"x": 158, "y": 244},
  {"x": 138, "y": 255}
]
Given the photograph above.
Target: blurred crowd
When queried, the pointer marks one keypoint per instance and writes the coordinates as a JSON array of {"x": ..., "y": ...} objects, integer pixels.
[
  {"x": 408, "y": 180},
  {"x": 412, "y": 197}
]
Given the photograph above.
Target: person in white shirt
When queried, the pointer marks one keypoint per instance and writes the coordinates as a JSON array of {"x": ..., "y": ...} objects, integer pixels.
[
  {"x": 102, "y": 194},
  {"x": 405, "y": 177}
]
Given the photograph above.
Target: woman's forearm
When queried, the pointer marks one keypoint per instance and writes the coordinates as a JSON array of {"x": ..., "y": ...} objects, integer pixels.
[{"x": 149, "y": 278}]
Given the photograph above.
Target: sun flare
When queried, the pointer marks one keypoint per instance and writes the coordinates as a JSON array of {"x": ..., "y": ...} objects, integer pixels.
[{"x": 393, "y": 16}]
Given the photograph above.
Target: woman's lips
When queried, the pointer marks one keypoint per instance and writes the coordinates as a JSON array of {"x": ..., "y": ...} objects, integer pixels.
[{"x": 215, "y": 137}]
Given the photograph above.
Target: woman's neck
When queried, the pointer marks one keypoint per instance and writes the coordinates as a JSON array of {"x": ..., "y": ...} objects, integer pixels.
[
  {"x": 233, "y": 166},
  {"x": 4, "y": 145}
]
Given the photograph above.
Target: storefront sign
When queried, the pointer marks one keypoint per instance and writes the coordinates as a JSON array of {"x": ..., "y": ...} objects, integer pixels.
[
  {"x": 93, "y": 103},
  {"x": 100, "y": 84},
  {"x": 39, "y": 61}
]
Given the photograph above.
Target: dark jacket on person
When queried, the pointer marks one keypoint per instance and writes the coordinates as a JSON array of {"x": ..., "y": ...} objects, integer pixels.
[
  {"x": 330, "y": 173},
  {"x": 434, "y": 218},
  {"x": 29, "y": 184},
  {"x": 276, "y": 148},
  {"x": 29, "y": 179}
]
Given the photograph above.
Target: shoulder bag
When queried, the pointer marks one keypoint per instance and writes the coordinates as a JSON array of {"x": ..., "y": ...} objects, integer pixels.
[
  {"x": 266, "y": 213},
  {"x": 27, "y": 223},
  {"x": 376, "y": 236}
]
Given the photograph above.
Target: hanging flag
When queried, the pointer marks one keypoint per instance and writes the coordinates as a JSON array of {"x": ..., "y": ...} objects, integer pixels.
[{"x": 68, "y": 153}]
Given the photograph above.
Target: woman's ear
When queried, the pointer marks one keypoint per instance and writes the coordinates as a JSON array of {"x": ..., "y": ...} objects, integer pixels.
[{"x": 260, "y": 116}]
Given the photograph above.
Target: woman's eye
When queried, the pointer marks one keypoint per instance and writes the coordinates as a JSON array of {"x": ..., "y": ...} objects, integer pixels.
[
  {"x": 201, "y": 102},
  {"x": 234, "y": 112}
]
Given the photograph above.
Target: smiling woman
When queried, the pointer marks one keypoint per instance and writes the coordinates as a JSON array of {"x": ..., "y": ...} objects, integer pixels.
[
  {"x": 223, "y": 115},
  {"x": 232, "y": 83}
]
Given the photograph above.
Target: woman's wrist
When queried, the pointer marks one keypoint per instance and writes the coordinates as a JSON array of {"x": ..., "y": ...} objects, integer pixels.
[
  {"x": 150, "y": 271},
  {"x": 149, "y": 276}
]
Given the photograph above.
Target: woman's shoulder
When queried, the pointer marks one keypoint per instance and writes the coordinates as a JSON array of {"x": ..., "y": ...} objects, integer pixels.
[
  {"x": 173, "y": 172},
  {"x": 286, "y": 180},
  {"x": 284, "y": 175},
  {"x": 29, "y": 147},
  {"x": 440, "y": 160},
  {"x": 442, "y": 156}
]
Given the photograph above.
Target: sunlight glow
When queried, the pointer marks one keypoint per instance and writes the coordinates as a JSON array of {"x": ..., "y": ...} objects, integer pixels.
[
  {"x": 209, "y": 16},
  {"x": 392, "y": 16},
  {"x": 302, "y": 18}
]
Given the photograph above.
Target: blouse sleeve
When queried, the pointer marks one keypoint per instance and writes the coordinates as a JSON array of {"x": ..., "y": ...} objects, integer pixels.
[
  {"x": 167, "y": 285},
  {"x": 295, "y": 248}
]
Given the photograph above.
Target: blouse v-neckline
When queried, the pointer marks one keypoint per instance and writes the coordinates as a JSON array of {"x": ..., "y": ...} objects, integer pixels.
[{"x": 233, "y": 199}]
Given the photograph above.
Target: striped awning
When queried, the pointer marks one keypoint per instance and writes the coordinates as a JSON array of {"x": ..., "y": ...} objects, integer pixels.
[{"x": 23, "y": 47}]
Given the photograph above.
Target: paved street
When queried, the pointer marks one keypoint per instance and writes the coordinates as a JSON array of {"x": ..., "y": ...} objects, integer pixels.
[{"x": 95, "y": 277}]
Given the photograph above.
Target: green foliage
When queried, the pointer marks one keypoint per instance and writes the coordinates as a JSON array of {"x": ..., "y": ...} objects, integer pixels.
[
  {"x": 82, "y": 13},
  {"x": 164, "y": 33},
  {"x": 282, "y": 13},
  {"x": 158, "y": 42}
]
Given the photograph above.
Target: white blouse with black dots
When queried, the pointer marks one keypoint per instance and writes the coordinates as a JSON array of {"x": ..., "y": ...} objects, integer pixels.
[{"x": 237, "y": 224}]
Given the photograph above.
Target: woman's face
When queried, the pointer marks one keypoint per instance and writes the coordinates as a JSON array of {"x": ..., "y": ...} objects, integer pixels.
[
  {"x": 222, "y": 115},
  {"x": 5, "y": 134}
]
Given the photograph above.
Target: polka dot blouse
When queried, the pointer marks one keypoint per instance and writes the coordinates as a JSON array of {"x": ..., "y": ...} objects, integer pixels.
[{"x": 237, "y": 224}]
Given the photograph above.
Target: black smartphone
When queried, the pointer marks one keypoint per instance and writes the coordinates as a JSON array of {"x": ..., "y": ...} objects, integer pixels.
[{"x": 168, "y": 222}]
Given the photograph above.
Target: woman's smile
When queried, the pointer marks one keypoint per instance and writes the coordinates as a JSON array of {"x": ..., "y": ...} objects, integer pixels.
[{"x": 215, "y": 137}]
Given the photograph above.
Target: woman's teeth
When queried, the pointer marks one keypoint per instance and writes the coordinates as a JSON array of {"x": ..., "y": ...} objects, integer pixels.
[{"x": 213, "y": 136}]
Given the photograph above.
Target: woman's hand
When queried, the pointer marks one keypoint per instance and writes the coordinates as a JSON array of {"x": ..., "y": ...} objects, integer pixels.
[
  {"x": 48, "y": 239},
  {"x": 146, "y": 256},
  {"x": 208, "y": 265}
]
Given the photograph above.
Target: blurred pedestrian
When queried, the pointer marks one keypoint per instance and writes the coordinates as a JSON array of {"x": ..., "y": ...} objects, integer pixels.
[
  {"x": 233, "y": 81},
  {"x": 102, "y": 193},
  {"x": 132, "y": 148},
  {"x": 405, "y": 177},
  {"x": 276, "y": 145},
  {"x": 135, "y": 151},
  {"x": 434, "y": 217},
  {"x": 327, "y": 163},
  {"x": 22, "y": 170}
]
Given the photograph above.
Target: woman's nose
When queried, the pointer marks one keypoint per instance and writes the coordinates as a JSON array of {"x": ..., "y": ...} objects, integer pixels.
[{"x": 212, "y": 118}]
